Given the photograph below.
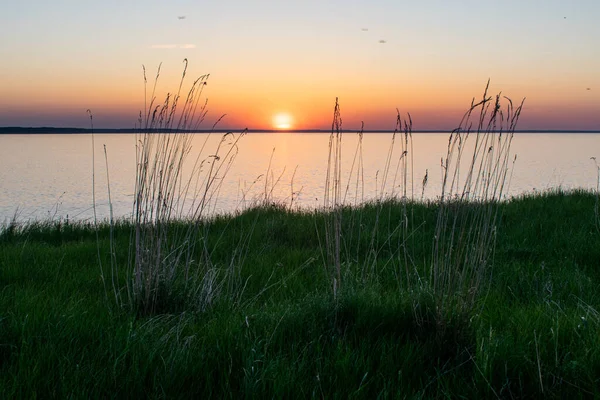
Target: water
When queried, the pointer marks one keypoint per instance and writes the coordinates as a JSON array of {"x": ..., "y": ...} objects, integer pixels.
[{"x": 50, "y": 175}]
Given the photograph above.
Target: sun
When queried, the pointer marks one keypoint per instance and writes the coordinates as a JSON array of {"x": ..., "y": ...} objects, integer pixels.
[{"x": 282, "y": 121}]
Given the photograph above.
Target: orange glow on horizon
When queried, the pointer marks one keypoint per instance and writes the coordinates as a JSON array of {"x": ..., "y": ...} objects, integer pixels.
[{"x": 289, "y": 103}]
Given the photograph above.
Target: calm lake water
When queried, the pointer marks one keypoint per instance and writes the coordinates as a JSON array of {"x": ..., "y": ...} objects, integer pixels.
[{"x": 50, "y": 176}]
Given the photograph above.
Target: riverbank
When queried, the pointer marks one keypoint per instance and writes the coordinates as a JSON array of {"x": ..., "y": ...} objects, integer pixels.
[{"x": 268, "y": 322}]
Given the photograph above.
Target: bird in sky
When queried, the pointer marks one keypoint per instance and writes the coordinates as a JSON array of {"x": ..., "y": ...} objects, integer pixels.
[
  {"x": 181, "y": 17},
  {"x": 364, "y": 29},
  {"x": 382, "y": 41}
]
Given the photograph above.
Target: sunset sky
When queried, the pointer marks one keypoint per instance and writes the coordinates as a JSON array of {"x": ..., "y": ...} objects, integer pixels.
[{"x": 269, "y": 58}]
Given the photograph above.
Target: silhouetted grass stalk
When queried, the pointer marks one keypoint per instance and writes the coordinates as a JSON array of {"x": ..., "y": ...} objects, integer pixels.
[
  {"x": 170, "y": 207},
  {"x": 113, "y": 254},
  {"x": 389, "y": 198},
  {"x": 404, "y": 256},
  {"x": 344, "y": 224},
  {"x": 102, "y": 277},
  {"x": 465, "y": 232},
  {"x": 597, "y": 205},
  {"x": 332, "y": 202}
]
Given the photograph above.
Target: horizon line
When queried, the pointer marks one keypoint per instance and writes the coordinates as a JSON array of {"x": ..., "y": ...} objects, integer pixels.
[{"x": 72, "y": 130}]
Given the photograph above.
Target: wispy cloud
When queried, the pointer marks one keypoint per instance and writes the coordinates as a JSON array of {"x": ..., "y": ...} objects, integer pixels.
[{"x": 173, "y": 46}]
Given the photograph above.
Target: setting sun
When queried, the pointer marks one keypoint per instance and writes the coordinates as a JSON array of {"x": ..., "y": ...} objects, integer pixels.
[{"x": 282, "y": 121}]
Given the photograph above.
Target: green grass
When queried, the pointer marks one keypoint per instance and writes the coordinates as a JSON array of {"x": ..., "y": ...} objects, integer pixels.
[{"x": 275, "y": 329}]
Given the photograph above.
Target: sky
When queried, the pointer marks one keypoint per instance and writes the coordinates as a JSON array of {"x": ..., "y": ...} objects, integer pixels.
[{"x": 275, "y": 63}]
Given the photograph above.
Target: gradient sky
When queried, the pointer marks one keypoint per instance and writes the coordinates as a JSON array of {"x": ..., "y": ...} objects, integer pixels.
[{"x": 266, "y": 57}]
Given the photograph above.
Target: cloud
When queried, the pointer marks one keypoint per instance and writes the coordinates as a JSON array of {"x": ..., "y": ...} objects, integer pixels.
[{"x": 173, "y": 46}]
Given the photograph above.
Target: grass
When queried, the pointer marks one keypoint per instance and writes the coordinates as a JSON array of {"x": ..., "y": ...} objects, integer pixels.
[
  {"x": 466, "y": 226},
  {"x": 163, "y": 266},
  {"x": 285, "y": 335}
]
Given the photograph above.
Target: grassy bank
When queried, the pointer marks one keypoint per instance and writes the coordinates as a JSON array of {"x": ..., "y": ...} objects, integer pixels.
[{"x": 269, "y": 324}]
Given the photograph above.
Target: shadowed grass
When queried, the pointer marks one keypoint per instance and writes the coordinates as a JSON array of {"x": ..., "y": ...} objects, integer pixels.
[{"x": 286, "y": 336}]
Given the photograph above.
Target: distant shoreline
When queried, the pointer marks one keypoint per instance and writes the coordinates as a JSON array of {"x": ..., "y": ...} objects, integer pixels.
[{"x": 53, "y": 130}]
